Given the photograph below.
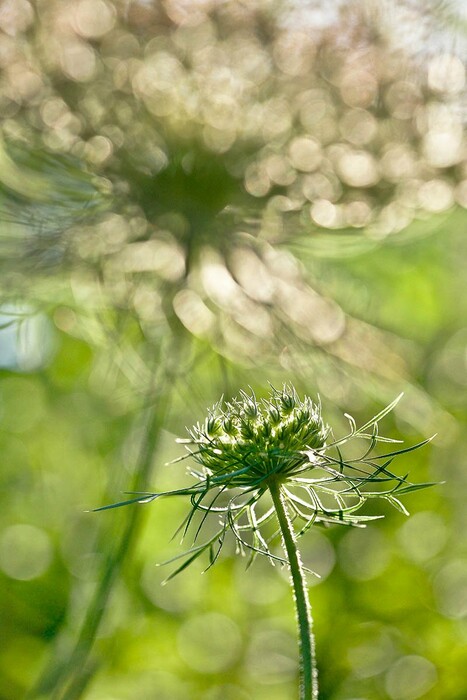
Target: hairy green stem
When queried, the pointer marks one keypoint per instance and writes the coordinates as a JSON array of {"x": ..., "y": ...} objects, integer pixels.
[{"x": 308, "y": 668}]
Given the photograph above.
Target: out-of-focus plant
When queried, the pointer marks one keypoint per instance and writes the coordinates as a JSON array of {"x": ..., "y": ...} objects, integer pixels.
[
  {"x": 279, "y": 450},
  {"x": 178, "y": 162},
  {"x": 205, "y": 141}
]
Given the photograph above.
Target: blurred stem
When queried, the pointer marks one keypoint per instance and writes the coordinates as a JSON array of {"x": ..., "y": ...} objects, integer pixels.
[
  {"x": 308, "y": 669},
  {"x": 67, "y": 679}
]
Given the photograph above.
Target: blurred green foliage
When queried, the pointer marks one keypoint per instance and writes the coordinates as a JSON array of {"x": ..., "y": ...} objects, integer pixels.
[{"x": 190, "y": 205}]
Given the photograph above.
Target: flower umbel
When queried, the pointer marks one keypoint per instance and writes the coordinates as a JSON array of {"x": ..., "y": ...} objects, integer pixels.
[
  {"x": 246, "y": 445},
  {"x": 279, "y": 447},
  {"x": 247, "y": 442}
]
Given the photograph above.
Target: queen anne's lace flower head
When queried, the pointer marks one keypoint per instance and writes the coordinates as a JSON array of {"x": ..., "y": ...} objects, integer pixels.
[
  {"x": 245, "y": 442},
  {"x": 247, "y": 448}
]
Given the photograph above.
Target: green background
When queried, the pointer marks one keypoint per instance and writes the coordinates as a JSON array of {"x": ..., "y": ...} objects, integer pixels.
[{"x": 106, "y": 358}]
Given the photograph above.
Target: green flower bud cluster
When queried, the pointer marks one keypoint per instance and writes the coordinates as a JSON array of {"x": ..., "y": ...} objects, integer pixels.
[
  {"x": 246, "y": 441},
  {"x": 281, "y": 446}
]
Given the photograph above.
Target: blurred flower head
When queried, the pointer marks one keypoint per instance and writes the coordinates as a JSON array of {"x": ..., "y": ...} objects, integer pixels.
[{"x": 176, "y": 161}]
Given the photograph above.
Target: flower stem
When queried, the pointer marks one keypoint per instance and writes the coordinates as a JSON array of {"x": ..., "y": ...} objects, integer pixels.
[
  {"x": 68, "y": 673},
  {"x": 308, "y": 669}
]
